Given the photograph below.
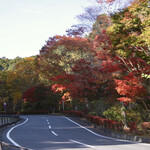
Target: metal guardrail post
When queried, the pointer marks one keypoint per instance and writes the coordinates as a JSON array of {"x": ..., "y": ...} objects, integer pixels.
[
  {"x": 13, "y": 146},
  {"x": 4, "y": 120},
  {"x": 1, "y": 147}
]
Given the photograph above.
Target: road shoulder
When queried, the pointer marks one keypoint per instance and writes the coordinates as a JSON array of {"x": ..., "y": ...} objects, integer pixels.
[{"x": 109, "y": 133}]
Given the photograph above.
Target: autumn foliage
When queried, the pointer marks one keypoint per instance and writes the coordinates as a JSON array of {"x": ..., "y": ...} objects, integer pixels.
[{"x": 110, "y": 65}]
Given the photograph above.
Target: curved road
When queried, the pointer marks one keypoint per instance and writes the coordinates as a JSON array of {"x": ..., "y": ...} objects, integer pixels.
[{"x": 45, "y": 132}]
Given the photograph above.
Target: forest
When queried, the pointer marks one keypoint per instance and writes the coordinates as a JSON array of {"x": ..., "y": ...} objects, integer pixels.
[{"x": 101, "y": 70}]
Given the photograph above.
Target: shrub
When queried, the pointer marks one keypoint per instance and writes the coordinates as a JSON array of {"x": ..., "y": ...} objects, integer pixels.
[
  {"x": 146, "y": 127},
  {"x": 114, "y": 113}
]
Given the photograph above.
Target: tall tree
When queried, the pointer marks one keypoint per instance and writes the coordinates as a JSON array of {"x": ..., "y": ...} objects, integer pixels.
[
  {"x": 5, "y": 96},
  {"x": 22, "y": 78},
  {"x": 60, "y": 53}
]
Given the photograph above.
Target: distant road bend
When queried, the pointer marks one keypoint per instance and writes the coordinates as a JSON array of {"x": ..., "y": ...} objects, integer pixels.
[{"x": 45, "y": 132}]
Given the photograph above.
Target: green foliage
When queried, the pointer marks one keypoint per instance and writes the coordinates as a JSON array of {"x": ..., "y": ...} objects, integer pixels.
[
  {"x": 8, "y": 64},
  {"x": 1, "y": 68},
  {"x": 114, "y": 113},
  {"x": 4, "y": 63},
  {"x": 130, "y": 32},
  {"x": 97, "y": 107},
  {"x": 101, "y": 23},
  {"x": 4, "y": 92}
]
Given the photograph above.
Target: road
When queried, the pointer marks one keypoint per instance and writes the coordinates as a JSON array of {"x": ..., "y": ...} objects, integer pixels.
[{"x": 46, "y": 132}]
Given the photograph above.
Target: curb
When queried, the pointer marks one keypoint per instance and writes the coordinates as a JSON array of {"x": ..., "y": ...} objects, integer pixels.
[{"x": 110, "y": 133}]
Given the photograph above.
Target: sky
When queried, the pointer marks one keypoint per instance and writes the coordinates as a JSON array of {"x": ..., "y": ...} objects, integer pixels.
[{"x": 25, "y": 25}]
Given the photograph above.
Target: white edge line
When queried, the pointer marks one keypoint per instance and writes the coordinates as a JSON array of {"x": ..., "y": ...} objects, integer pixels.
[
  {"x": 54, "y": 133},
  {"x": 50, "y": 127},
  {"x": 8, "y": 133},
  {"x": 82, "y": 143},
  {"x": 105, "y": 136}
]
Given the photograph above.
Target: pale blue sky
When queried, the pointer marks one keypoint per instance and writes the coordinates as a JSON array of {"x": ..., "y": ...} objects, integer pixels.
[{"x": 25, "y": 25}]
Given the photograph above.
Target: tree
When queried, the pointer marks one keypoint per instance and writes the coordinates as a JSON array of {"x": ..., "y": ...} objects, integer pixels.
[
  {"x": 88, "y": 18},
  {"x": 80, "y": 83},
  {"x": 101, "y": 23},
  {"x": 8, "y": 64},
  {"x": 41, "y": 98},
  {"x": 119, "y": 69},
  {"x": 129, "y": 34},
  {"x": 5, "y": 96},
  {"x": 22, "y": 78},
  {"x": 60, "y": 53},
  {"x": 130, "y": 31}
]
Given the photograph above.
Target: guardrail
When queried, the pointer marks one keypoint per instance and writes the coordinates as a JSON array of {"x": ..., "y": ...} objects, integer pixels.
[
  {"x": 8, "y": 119},
  {"x": 4, "y": 121},
  {"x": 5, "y": 146}
]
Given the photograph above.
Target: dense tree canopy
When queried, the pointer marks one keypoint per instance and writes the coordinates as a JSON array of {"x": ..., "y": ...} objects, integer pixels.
[{"x": 8, "y": 64}]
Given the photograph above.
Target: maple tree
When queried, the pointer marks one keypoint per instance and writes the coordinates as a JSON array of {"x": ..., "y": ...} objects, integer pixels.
[
  {"x": 80, "y": 83},
  {"x": 129, "y": 34},
  {"x": 60, "y": 53},
  {"x": 129, "y": 87},
  {"x": 40, "y": 97},
  {"x": 123, "y": 70},
  {"x": 128, "y": 70}
]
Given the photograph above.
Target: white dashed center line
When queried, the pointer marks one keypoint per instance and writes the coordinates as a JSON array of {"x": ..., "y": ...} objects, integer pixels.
[{"x": 54, "y": 133}]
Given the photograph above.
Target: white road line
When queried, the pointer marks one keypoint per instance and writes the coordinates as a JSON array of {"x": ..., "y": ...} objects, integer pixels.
[
  {"x": 8, "y": 133},
  {"x": 54, "y": 133},
  {"x": 47, "y": 122},
  {"x": 106, "y": 137},
  {"x": 82, "y": 143},
  {"x": 50, "y": 127}
]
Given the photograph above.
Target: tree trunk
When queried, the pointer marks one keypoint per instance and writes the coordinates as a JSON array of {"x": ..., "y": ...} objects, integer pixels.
[
  {"x": 123, "y": 113},
  {"x": 86, "y": 105}
]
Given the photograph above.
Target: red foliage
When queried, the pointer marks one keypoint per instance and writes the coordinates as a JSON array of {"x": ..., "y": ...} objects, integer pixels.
[
  {"x": 133, "y": 127},
  {"x": 28, "y": 95},
  {"x": 51, "y": 56},
  {"x": 146, "y": 127},
  {"x": 81, "y": 83},
  {"x": 58, "y": 88},
  {"x": 130, "y": 87},
  {"x": 125, "y": 99},
  {"x": 37, "y": 93},
  {"x": 103, "y": 122},
  {"x": 125, "y": 72}
]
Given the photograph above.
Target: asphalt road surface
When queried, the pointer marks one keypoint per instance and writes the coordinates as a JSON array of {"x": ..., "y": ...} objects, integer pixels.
[{"x": 46, "y": 132}]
